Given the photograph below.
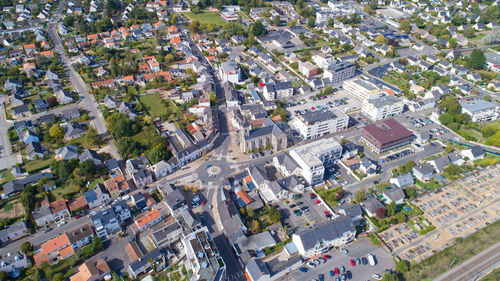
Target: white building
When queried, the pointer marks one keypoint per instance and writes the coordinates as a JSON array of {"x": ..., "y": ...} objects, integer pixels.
[
  {"x": 339, "y": 71},
  {"x": 279, "y": 90},
  {"x": 383, "y": 107},
  {"x": 319, "y": 123},
  {"x": 311, "y": 242},
  {"x": 480, "y": 110},
  {"x": 361, "y": 89},
  {"x": 230, "y": 71},
  {"x": 313, "y": 157}
]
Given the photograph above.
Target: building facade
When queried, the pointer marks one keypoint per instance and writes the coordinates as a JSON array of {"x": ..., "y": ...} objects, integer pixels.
[{"x": 319, "y": 123}]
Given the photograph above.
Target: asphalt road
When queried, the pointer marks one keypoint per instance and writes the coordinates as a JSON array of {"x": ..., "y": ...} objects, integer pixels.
[{"x": 476, "y": 267}]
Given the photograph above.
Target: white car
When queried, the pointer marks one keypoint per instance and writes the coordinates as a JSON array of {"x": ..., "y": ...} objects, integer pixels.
[
  {"x": 344, "y": 251},
  {"x": 376, "y": 276}
]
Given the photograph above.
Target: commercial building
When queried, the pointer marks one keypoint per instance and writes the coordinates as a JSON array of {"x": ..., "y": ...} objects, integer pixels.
[
  {"x": 313, "y": 157},
  {"x": 319, "y": 123},
  {"x": 278, "y": 90},
  {"x": 314, "y": 241},
  {"x": 339, "y": 71},
  {"x": 386, "y": 135},
  {"x": 480, "y": 110},
  {"x": 382, "y": 107}
]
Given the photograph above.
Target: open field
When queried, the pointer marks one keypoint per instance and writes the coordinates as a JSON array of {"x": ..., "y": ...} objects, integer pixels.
[
  {"x": 206, "y": 17},
  {"x": 153, "y": 104}
]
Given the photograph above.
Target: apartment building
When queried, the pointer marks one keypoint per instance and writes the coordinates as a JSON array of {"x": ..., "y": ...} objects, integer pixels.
[
  {"x": 382, "y": 107},
  {"x": 319, "y": 123}
]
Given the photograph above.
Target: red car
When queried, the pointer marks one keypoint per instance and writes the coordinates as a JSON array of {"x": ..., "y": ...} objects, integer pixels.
[
  {"x": 327, "y": 212},
  {"x": 203, "y": 203},
  {"x": 353, "y": 263},
  {"x": 337, "y": 271},
  {"x": 318, "y": 201},
  {"x": 327, "y": 257}
]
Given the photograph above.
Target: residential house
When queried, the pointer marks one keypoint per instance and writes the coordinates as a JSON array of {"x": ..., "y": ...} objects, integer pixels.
[
  {"x": 166, "y": 235},
  {"x": 148, "y": 220},
  {"x": 143, "y": 265},
  {"x": 402, "y": 181},
  {"x": 12, "y": 264},
  {"x": 34, "y": 150},
  {"x": 473, "y": 153},
  {"x": 73, "y": 130},
  {"x": 92, "y": 271},
  {"x": 423, "y": 172},
  {"x": 97, "y": 196},
  {"x": 59, "y": 209},
  {"x": 80, "y": 236},
  {"x": 54, "y": 250},
  {"x": 90, "y": 154},
  {"x": 370, "y": 206},
  {"x": 117, "y": 186},
  {"x": 440, "y": 163},
  {"x": 395, "y": 195},
  {"x": 13, "y": 231},
  {"x": 142, "y": 178},
  {"x": 67, "y": 152}
]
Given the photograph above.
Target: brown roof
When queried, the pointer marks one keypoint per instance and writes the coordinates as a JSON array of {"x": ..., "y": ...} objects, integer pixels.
[
  {"x": 387, "y": 131},
  {"x": 77, "y": 203},
  {"x": 58, "y": 205},
  {"x": 80, "y": 233},
  {"x": 244, "y": 196},
  {"x": 133, "y": 251}
]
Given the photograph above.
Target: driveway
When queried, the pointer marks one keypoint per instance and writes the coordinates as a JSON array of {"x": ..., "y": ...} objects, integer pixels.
[{"x": 7, "y": 158}]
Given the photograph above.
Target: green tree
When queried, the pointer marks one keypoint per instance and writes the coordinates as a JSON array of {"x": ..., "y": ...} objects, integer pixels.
[
  {"x": 361, "y": 195},
  {"x": 391, "y": 209},
  {"x": 494, "y": 140},
  {"x": 92, "y": 136},
  {"x": 469, "y": 32},
  {"x": 26, "y": 247},
  {"x": 410, "y": 192},
  {"x": 274, "y": 215},
  {"x": 380, "y": 39},
  {"x": 58, "y": 277},
  {"x": 56, "y": 132},
  {"x": 400, "y": 217},
  {"x": 258, "y": 29},
  {"x": 157, "y": 153},
  {"x": 476, "y": 59},
  {"x": 446, "y": 118},
  {"x": 250, "y": 212},
  {"x": 402, "y": 266},
  {"x": 490, "y": 129},
  {"x": 405, "y": 25},
  {"x": 96, "y": 244},
  {"x": 310, "y": 22},
  {"x": 88, "y": 168},
  {"x": 3, "y": 276},
  {"x": 213, "y": 99},
  {"x": 452, "y": 170},
  {"x": 390, "y": 277}
]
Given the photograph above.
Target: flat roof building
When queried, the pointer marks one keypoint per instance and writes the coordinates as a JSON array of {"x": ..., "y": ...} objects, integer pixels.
[
  {"x": 319, "y": 123},
  {"x": 386, "y": 135}
]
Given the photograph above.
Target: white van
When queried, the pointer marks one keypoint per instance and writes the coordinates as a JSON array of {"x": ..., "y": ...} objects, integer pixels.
[{"x": 371, "y": 259}]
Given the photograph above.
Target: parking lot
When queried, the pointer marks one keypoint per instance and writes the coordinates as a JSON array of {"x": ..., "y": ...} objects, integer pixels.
[
  {"x": 302, "y": 212},
  {"x": 358, "y": 249},
  {"x": 305, "y": 103}
]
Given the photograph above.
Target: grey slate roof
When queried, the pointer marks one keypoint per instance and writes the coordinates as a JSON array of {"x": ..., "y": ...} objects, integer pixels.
[
  {"x": 326, "y": 231},
  {"x": 395, "y": 194}
]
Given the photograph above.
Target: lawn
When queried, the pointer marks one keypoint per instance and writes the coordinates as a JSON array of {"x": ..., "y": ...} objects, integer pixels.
[
  {"x": 38, "y": 165},
  {"x": 488, "y": 160},
  {"x": 206, "y": 17},
  {"x": 432, "y": 184},
  {"x": 413, "y": 211},
  {"x": 6, "y": 176},
  {"x": 329, "y": 196},
  {"x": 462, "y": 250},
  {"x": 153, "y": 105}
]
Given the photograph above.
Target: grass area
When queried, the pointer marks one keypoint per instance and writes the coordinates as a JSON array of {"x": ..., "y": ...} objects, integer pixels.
[
  {"x": 414, "y": 211},
  {"x": 493, "y": 276},
  {"x": 206, "y": 17},
  {"x": 153, "y": 105},
  {"x": 432, "y": 184},
  {"x": 488, "y": 160},
  {"x": 462, "y": 250},
  {"x": 375, "y": 241},
  {"x": 68, "y": 188},
  {"x": 329, "y": 196},
  {"x": 276, "y": 248},
  {"x": 38, "y": 165},
  {"x": 8, "y": 207},
  {"x": 475, "y": 134},
  {"x": 6, "y": 176}
]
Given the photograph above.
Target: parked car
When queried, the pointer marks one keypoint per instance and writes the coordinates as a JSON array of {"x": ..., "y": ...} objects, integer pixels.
[
  {"x": 376, "y": 276},
  {"x": 345, "y": 251},
  {"x": 353, "y": 263}
]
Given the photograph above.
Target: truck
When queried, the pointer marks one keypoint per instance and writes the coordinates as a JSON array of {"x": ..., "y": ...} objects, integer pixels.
[{"x": 371, "y": 259}]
